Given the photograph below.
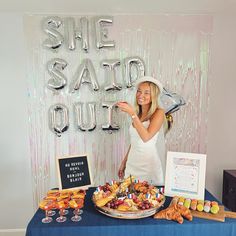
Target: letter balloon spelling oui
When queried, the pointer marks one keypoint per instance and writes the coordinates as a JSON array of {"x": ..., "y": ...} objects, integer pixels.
[
  {"x": 58, "y": 119},
  {"x": 110, "y": 126},
  {"x": 79, "y": 114}
]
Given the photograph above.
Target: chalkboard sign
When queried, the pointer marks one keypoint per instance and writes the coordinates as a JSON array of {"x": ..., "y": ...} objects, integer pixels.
[{"x": 74, "y": 172}]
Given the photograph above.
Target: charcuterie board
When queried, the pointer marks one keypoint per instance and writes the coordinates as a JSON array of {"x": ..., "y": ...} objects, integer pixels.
[
  {"x": 129, "y": 199},
  {"x": 129, "y": 214}
]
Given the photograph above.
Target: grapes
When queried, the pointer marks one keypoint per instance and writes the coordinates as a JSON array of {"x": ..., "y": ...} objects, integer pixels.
[
  {"x": 115, "y": 203},
  {"x": 106, "y": 188},
  {"x": 136, "y": 200},
  {"x": 145, "y": 205}
]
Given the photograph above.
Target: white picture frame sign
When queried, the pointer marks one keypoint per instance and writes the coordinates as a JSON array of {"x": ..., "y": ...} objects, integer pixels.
[{"x": 185, "y": 175}]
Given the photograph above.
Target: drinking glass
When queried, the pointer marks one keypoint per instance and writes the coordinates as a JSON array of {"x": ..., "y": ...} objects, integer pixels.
[
  {"x": 76, "y": 204},
  {"x": 79, "y": 194},
  {"x": 61, "y": 207},
  {"x": 52, "y": 203},
  {"x": 46, "y": 206},
  {"x": 52, "y": 196}
]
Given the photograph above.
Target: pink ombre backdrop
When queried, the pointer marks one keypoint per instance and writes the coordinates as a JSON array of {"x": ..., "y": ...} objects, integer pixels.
[{"x": 175, "y": 49}]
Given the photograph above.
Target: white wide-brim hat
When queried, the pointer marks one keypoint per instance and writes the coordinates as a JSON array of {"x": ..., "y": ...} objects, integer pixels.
[{"x": 149, "y": 79}]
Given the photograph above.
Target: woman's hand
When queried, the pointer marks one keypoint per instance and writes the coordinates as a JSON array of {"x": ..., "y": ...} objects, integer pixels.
[
  {"x": 126, "y": 107},
  {"x": 121, "y": 171}
]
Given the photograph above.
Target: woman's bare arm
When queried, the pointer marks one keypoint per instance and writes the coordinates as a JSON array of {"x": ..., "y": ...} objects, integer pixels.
[
  {"x": 123, "y": 165},
  {"x": 156, "y": 121}
]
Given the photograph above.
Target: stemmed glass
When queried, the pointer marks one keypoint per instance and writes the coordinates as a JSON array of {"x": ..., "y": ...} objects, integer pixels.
[
  {"x": 66, "y": 201},
  {"x": 76, "y": 204},
  {"x": 52, "y": 196},
  {"x": 61, "y": 206},
  {"x": 65, "y": 196},
  {"x": 46, "y": 206},
  {"x": 52, "y": 203},
  {"x": 78, "y": 195}
]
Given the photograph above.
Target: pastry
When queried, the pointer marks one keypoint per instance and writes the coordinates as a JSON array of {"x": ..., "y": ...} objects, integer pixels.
[{"x": 175, "y": 212}]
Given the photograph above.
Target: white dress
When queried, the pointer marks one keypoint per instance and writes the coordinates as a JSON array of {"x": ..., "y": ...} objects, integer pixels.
[{"x": 143, "y": 161}]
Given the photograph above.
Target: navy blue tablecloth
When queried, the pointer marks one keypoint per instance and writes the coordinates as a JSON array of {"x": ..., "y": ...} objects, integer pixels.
[{"x": 95, "y": 223}]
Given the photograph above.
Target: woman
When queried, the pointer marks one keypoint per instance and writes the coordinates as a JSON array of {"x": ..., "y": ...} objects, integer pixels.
[{"x": 142, "y": 159}]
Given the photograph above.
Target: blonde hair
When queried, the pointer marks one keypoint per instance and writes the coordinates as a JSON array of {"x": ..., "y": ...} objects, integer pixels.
[{"x": 155, "y": 92}]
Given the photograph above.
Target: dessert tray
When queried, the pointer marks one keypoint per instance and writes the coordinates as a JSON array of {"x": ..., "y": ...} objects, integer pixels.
[{"x": 129, "y": 199}]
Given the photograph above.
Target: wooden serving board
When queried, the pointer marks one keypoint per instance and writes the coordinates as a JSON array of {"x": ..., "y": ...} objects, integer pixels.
[
  {"x": 230, "y": 214},
  {"x": 220, "y": 216}
]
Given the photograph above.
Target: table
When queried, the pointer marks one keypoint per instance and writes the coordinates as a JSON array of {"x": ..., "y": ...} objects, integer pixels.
[{"x": 95, "y": 223}]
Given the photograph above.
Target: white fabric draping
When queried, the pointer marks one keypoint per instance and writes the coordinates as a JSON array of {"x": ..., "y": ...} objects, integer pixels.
[{"x": 175, "y": 49}]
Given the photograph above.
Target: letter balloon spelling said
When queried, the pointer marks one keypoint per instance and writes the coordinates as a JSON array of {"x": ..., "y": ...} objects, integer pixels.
[
  {"x": 79, "y": 113},
  {"x": 111, "y": 75},
  {"x": 130, "y": 76},
  {"x": 110, "y": 126},
  {"x": 101, "y": 33},
  {"x": 58, "y": 119},
  {"x": 72, "y": 33},
  {"x": 84, "y": 74},
  {"x": 58, "y": 80},
  {"x": 50, "y": 26}
]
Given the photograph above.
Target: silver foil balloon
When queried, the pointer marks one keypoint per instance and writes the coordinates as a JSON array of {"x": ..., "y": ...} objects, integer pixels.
[
  {"x": 69, "y": 29},
  {"x": 171, "y": 101},
  {"x": 111, "y": 74},
  {"x": 58, "y": 80},
  {"x": 101, "y": 33},
  {"x": 110, "y": 126},
  {"x": 85, "y": 74},
  {"x": 55, "y": 38},
  {"x": 84, "y": 35},
  {"x": 72, "y": 33},
  {"x": 130, "y": 76},
  {"x": 79, "y": 114},
  {"x": 58, "y": 118}
]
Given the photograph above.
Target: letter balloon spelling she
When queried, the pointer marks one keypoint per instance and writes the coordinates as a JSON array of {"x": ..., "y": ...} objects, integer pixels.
[{"x": 143, "y": 159}]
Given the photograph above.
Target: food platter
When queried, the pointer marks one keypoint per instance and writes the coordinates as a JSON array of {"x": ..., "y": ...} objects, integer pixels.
[
  {"x": 128, "y": 199},
  {"x": 129, "y": 214}
]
